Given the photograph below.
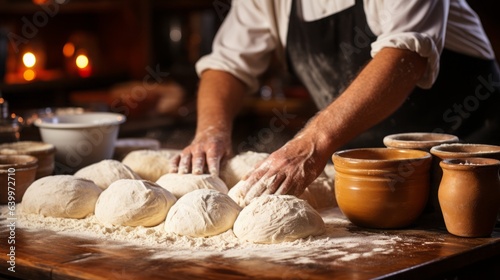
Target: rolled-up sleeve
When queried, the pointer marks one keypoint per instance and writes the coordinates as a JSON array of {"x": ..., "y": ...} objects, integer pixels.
[
  {"x": 243, "y": 44},
  {"x": 416, "y": 25}
]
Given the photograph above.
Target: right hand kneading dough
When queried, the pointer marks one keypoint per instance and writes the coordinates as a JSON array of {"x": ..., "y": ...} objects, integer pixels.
[
  {"x": 181, "y": 184},
  {"x": 61, "y": 196},
  {"x": 277, "y": 218},
  {"x": 202, "y": 213},
  {"x": 130, "y": 202}
]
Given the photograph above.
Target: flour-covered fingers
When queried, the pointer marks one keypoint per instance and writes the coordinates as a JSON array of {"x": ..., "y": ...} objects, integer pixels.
[
  {"x": 275, "y": 184},
  {"x": 185, "y": 163},
  {"x": 173, "y": 164},
  {"x": 198, "y": 163},
  {"x": 287, "y": 187}
]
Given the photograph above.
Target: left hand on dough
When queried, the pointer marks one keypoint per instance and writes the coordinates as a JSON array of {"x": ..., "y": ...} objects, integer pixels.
[{"x": 289, "y": 170}]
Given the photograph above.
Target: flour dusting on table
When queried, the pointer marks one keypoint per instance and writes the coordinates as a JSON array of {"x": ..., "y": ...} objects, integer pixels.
[{"x": 336, "y": 242}]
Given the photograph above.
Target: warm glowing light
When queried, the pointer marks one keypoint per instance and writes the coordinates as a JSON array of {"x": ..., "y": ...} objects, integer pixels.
[
  {"x": 69, "y": 49},
  {"x": 29, "y": 59},
  {"x": 82, "y": 61},
  {"x": 29, "y": 74}
]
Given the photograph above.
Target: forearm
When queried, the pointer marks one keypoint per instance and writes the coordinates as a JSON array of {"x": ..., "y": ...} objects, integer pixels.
[
  {"x": 220, "y": 97},
  {"x": 379, "y": 89}
]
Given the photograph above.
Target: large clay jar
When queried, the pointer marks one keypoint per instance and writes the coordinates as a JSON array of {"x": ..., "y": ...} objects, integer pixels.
[
  {"x": 418, "y": 140},
  {"x": 381, "y": 187},
  {"x": 453, "y": 151},
  {"x": 469, "y": 195}
]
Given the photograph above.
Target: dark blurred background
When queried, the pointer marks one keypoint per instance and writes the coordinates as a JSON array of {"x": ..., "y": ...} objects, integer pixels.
[{"x": 137, "y": 57}]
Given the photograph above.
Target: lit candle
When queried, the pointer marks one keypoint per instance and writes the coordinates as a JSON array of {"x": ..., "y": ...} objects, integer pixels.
[{"x": 83, "y": 64}]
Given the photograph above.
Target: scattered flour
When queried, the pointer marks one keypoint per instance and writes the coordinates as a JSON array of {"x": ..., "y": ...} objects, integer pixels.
[{"x": 338, "y": 242}]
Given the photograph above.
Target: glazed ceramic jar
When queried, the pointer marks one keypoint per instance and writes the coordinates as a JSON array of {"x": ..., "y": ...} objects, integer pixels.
[
  {"x": 418, "y": 140},
  {"x": 381, "y": 187},
  {"x": 469, "y": 195}
]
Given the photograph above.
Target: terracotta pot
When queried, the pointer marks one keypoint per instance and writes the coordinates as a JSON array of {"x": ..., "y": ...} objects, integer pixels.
[
  {"x": 418, "y": 140},
  {"x": 469, "y": 195},
  {"x": 44, "y": 152},
  {"x": 21, "y": 171},
  {"x": 381, "y": 187},
  {"x": 453, "y": 151}
]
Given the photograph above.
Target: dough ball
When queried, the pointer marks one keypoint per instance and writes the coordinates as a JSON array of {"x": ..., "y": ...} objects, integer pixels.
[
  {"x": 150, "y": 164},
  {"x": 129, "y": 202},
  {"x": 329, "y": 171},
  {"x": 277, "y": 218},
  {"x": 235, "y": 168},
  {"x": 181, "y": 184},
  {"x": 124, "y": 146},
  {"x": 320, "y": 193},
  {"x": 202, "y": 213},
  {"x": 61, "y": 196},
  {"x": 106, "y": 172}
]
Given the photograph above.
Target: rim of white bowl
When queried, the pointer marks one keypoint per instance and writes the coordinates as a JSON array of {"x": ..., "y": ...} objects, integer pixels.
[{"x": 100, "y": 119}]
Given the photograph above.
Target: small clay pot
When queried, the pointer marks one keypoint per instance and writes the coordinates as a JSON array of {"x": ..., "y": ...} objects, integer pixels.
[
  {"x": 16, "y": 172},
  {"x": 418, "y": 140},
  {"x": 454, "y": 151},
  {"x": 469, "y": 195},
  {"x": 381, "y": 187},
  {"x": 44, "y": 152}
]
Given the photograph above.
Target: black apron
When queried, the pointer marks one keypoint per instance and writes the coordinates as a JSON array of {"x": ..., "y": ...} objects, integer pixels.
[{"x": 327, "y": 54}]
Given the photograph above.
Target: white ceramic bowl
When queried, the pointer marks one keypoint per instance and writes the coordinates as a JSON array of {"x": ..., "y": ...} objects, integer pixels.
[{"x": 80, "y": 139}]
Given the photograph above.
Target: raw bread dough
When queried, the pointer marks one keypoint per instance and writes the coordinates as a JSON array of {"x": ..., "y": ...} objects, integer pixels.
[
  {"x": 320, "y": 193},
  {"x": 150, "y": 164},
  {"x": 202, "y": 213},
  {"x": 277, "y": 218},
  {"x": 129, "y": 202},
  {"x": 61, "y": 196},
  {"x": 106, "y": 172},
  {"x": 124, "y": 146},
  {"x": 181, "y": 184},
  {"x": 235, "y": 168}
]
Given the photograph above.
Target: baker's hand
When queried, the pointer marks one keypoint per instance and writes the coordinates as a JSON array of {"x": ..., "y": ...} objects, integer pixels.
[
  {"x": 289, "y": 170},
  {"x": 206, "y": 150}
]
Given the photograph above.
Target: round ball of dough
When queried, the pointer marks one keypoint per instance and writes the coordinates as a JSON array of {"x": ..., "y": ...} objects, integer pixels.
[
  {"x": 235, "y": 168},
  {"x": 202, "y": 213},
  {"x": 129, "y": 202},
  {"x": 61, "y": 196},
  {"x": 277, "y": 218},
  {"x": 105, "y": 172},
  {"x": 320, "y": 193},
  {"x": 150, "y": 164},
  {"x": 181, "y": 184}
]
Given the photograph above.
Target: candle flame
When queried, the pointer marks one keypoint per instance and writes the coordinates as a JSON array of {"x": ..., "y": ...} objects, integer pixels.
[
  {"x": 29, "y": 59},
  {"x": 82, "y": 61}
]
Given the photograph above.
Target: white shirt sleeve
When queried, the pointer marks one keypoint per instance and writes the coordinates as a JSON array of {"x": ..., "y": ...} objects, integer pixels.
[
  {"x": 416, "y": 25},
  {"x": 243, "y": 44}
]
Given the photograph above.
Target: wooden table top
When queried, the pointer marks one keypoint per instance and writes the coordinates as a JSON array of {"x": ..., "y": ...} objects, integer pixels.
[{"x": 422, "y": 251}]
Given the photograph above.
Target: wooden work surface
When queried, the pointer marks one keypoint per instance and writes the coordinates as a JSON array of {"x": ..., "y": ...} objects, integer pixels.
[{"x": 432, "y": 252}]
